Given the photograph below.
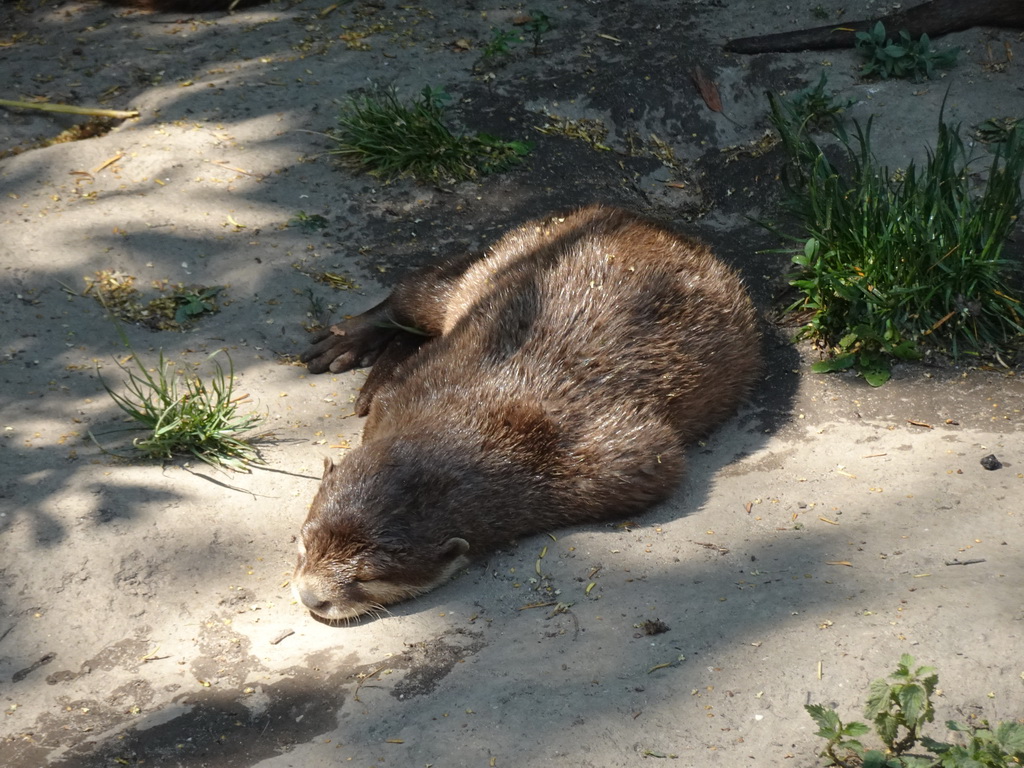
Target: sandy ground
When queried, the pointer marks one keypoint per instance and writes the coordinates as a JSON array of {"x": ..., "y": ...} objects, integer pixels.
[{"x": 145, "y": 611}]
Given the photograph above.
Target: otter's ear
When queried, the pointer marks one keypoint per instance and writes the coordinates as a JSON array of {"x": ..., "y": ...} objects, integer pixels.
[
  {"x": 328, "y": 465},
  {"x": 454, "y": 548}
]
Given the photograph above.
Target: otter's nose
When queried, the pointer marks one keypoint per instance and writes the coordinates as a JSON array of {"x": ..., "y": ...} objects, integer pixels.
[{"x": 312, "y": 600}]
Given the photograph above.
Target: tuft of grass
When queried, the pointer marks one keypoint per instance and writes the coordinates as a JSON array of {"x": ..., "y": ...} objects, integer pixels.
[
  {"x": 187, "y": 416},
  {"x": 892, "y": 261},
  {"x": 904, "y": 58},
  {"x": 388, "y": 138}
]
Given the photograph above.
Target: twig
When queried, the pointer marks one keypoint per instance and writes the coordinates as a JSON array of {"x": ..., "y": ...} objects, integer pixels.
[
  {"x": 365, "y": 679},
  {"x": 281, "y": 636},
  {"x": 68, "y": 109}
]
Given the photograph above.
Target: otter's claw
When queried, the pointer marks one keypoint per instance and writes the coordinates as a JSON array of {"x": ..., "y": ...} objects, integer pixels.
[
  {"x": 327, "y": 347},
  {"x": 355, "y": 343}
]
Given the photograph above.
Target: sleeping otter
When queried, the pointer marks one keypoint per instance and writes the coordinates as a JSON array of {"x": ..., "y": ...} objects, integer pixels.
[{"x": 555, "y": 379}]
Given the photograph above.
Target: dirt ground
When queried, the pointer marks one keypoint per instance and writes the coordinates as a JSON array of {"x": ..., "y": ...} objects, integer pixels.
[{"x": 145, "y": 612}]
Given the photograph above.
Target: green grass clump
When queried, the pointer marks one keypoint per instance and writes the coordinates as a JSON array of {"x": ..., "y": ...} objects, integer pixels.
[
  {"x": 892, "y": 261},
  {"x": 379, "y": 133},
  {"x": 907, "y": 58},
  {"x": 187, "y": 416},
  {"x": 899, "y": 707}
]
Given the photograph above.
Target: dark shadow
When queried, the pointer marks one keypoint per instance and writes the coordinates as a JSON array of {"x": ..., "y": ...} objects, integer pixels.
[{"x": 223, "y": 728}]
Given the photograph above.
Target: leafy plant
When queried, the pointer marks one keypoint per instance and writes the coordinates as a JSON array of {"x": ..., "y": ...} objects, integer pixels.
[
  {"x": 906, "y": 58},
  {"x": 389, "y": 138},
  {"x": 813, "y": 105},
  {"x": 997, "y": 130},
  {"x": 891, "y": 261},
  {"x": 839, "y": 737},
  {"x": 308, "y": 222},
  {"x": 899, "y": 707},
  {"x": 1000, "y": 747},
  {"x": 193, "y": 302},
  {"x": 185, "y": 415},
  {"x": 500, "y": 44},
  {"x": 173, "y": 309},
  {"x": 537, "y": 26}
]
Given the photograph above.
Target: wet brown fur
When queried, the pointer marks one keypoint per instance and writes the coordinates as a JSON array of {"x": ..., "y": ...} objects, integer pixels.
[{"x": 557, "y": 380}]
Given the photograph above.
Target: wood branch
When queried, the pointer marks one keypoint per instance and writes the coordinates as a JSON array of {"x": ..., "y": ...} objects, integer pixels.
[
  {"x": 186, "y": 6},
  {"x": 68, "y": 109},
  {"x": 938, "y": 17}
]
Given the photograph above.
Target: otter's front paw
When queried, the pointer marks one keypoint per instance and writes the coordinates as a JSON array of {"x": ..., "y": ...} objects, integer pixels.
[{"x": 352, "y": 344}]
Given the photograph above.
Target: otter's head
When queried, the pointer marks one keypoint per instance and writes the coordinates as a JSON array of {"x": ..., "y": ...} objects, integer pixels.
[{"x": 363, "y": 546}]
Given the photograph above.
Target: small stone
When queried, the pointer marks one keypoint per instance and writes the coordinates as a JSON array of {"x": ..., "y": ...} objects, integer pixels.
[{"x": 990, "y": 462}]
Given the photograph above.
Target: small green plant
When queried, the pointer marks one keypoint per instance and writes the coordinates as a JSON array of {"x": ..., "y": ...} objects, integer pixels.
[
  {"x": 537, "y": 26},
  {"x": 997, "y": 130},
  {"x": 308, "y": 222},
  {"x": 890, "y": 262},
  {"x": 389, "y": 138},
  {"x": 194, "y": 302},
  {"x": 841, "y": 739},
  {"x": 185, "y": 415},
  {"x": 907, "y": 58},
  {"x": 173, "y": 309},
  {"x": 899, "y": 707},
  {"x": 317, "y": 312},
  {"x": 500, "y": 44},
  {"x": 999, "y": 747},
  {"x": 813, "y": 105}
]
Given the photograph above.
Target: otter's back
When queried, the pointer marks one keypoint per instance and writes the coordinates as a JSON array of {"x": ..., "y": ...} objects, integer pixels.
[{"x": 604, "y": 308}]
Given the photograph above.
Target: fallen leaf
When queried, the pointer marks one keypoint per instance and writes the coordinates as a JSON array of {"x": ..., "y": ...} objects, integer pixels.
[{"x": 708, "y": 89}]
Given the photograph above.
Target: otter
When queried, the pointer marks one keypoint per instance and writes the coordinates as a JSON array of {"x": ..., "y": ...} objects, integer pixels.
[{"x": 555, "y": 379}]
